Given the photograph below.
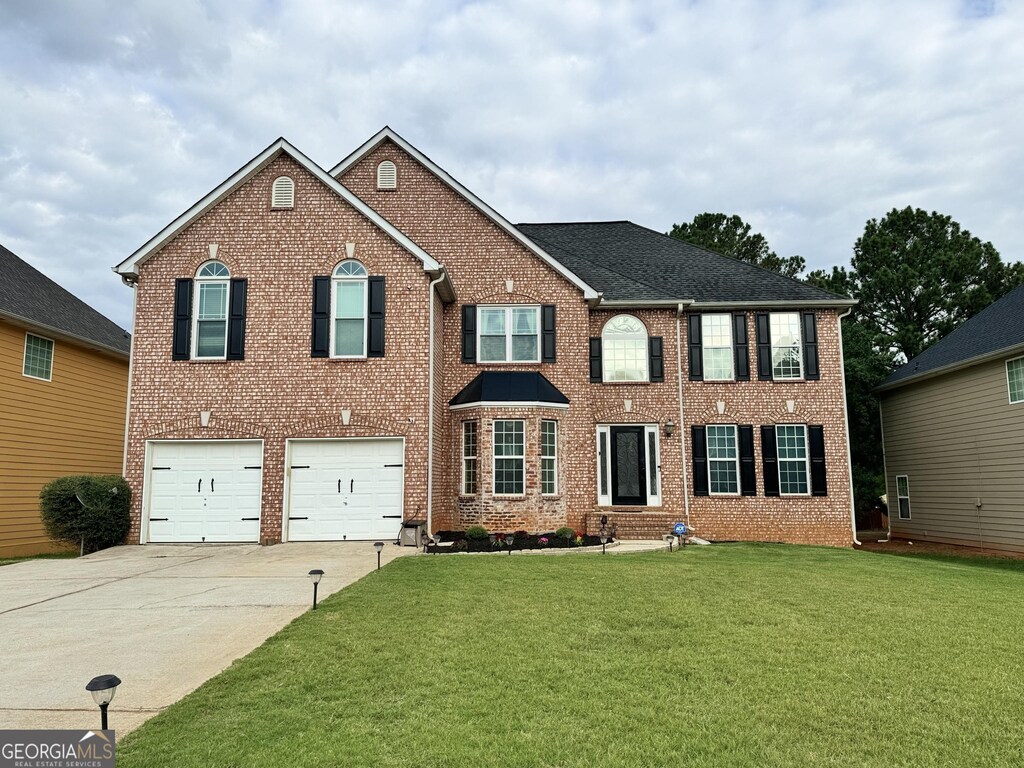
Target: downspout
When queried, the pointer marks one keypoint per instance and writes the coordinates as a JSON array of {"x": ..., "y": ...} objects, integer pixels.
[
  {"x": 885, "y": 473},
  {"x": 133, "y": 284},
  {"x": 846, "y": 425},
  {"x": 430, "y": 400},
  {"x": 682, "y": 423}
]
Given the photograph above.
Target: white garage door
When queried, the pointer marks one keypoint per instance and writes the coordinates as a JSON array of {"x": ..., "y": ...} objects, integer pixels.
[
  {"x": 345, "y": 489},
  {"x": 205, "y": 491}
]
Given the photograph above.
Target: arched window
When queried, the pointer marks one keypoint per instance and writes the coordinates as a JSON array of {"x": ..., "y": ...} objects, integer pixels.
[
  {"x": 348, "y": 289},
  {"x": 282, "y": 193},
  {"x": 387, "y": 175},
  {"x": 624, "y": 349},
  {"x": 210, "y": 329}
]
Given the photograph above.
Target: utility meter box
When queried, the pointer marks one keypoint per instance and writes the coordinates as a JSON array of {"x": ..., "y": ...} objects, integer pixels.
[{"x": 412, "y": 533}]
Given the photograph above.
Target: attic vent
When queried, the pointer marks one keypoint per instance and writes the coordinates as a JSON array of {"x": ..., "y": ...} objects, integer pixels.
[
  {"x": 282, "y": 194},
  {"x": 387, "y": 175}
]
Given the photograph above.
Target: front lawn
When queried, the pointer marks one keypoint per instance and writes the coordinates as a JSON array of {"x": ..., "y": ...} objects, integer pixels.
[
  {"x": 724, "y": 655},
  {"x": 45, "y": 556}
]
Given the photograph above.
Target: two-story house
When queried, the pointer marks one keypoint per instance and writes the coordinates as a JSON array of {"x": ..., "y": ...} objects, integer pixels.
[{"x": 320, "y": 355}]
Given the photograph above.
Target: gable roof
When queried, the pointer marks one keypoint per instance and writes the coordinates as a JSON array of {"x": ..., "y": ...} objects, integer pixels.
[
  {"x": 130, "y": 266},
  {"x": 28, "y": 297},
  {"x": 631, "y": 264},
  {"x": 996, "y": 331},
  {"x": 387, "y": 134},
  {"x": 509, "y": 387}
]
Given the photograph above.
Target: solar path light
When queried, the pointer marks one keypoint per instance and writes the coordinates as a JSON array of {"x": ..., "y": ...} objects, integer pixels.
[
  {"x": 378, "y": 545},
  {"x": 103, "y": 689},
  {"x": 315, "y": 576}
]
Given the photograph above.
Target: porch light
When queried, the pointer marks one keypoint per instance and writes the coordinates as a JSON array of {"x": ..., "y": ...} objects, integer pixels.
[
  {"x": 103, "y": 689},
  {"x": 315, "y": 576},
  {"x": 670, "y": 428},
  {"x": 379, "y": 546}
]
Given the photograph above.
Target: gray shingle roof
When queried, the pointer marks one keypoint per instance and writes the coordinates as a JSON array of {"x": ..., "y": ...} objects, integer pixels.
[
  {"x": 28, "y": 294},
  {"x": 997, "y": 327},
  {"x": 627, "y": 262}
]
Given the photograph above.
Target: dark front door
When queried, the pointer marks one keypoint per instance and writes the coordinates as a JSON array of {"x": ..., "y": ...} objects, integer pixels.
[{"x": 629, "y": 467}]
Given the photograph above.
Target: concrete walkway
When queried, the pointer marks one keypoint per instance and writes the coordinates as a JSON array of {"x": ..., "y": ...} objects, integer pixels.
[{"x": 163, "y": 618}]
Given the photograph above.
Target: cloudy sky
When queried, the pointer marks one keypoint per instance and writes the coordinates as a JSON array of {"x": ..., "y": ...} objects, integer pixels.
[{"x": 806, "y": 118}]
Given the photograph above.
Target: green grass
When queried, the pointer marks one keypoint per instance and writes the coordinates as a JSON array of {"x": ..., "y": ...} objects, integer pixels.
[
  {"x": 716, "y": 656},
  {"x": 44, "y": 556}
]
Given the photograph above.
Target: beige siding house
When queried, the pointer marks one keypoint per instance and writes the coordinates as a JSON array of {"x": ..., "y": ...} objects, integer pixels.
[{"x": 953, "y": 434}]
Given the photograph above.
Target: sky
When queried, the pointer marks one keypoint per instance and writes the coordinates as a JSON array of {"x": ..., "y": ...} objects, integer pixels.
[{"x": 805, "y": 118}]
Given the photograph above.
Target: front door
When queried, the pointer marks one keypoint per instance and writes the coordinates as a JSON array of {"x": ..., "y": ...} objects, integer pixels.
[{"x": 629, "y": 466}]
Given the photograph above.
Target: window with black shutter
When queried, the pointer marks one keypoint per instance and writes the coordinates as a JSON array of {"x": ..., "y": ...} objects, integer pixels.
[
  {"x": 699, "y": 456},
  {"x": 764, "y": 347},
  {"x": 656, "y": 363},
  {"x": 375, "y": 318},
  {"x": 547, "y": 340},
  {"x": 695, "y": 348},
  {"x": 182, "y": 341},
  {"x": 321, "y": 326},
  {"x": 769, "y": 461},
  {"x": 595, "y": 360},
  {"x": 816, "y": 441},
  {"x": 469, "y": 333},
  {"x": 748, "y": 474},
  {"x": 810, "y": 329},
  {"x": 236, "y": 318},
  {"x": 741, "y": 347}
]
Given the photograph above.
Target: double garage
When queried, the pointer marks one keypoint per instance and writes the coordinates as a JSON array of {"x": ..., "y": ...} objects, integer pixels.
[{"x": 212, "y": 490}]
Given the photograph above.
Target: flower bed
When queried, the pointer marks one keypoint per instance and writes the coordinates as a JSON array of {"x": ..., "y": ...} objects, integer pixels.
[{"x": 478, "y": 540}]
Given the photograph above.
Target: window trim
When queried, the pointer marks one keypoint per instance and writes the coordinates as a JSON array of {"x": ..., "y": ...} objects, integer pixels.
[
  {"x": 653, "y": 499},
  {"x": 553, "y": 458},
  {"x": 494, "y": 459},
  {"x": 508, "y": 333},
  {"x": 200, "y": 281},
  {"x": 730, "y": 347},
  {"x": 799, "y": 346},
  {"x": 736, "y": 444},
  {"x": 605, "y": 357},
  {"x": 466, "y": 458},
  {"x": 899, "y": 512},
  {"x": 24, "y": 356},
  {"x": 336, "y": 280},
  {"x": 807, "y": 460},
  {"x": 1009, "y": 388}
]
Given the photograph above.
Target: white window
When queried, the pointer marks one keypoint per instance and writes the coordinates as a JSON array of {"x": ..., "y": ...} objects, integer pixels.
[
  {"x": 903, "y": 496},
  {"x": 1015, "y": 379},
  {"x": 469, "y": 458},
  {"x": 624, "y": 349},
  {"x": 509, "y": 457},
  {"x": 348, "y": 289},
  {"x": 387, "y": 175},
  {"x": 791, "y": 444},
  {"x": 649, "y": 450},
  {"x": 723, "y": 460},
  {"x": 210, "y": 323},
  {"x": 716, "y": 342},
  {"x": 282, "y": 193},
  {"x": 785, "y": 333},
  {"x": 548, "y": 457},
  {"x": 508, "y": 334},
  {"x": 38, "y": 363}
]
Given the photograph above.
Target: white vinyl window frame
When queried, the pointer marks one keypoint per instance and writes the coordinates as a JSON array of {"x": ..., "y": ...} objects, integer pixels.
[
  {"x": 509, "y": 310},
  {"x": 652, "y": 475},
  {"x": 29, "y": 357},
  {"x": 793, "y": 344},
  {"x": 806, "y": 459},
  {"x": 903, "y": 495},
  {"x": 470, "y": 481},
  {"x": 1015, "y": 380},
  {"x": 717, "y": 344},
  {"x": 733, "y": 462},
  {"x": 519, "y": 425},
  {"x": 625, "y": 354},
  {"x": 210, "y": 275},
  {"x": 548, "y": 457},
  {"x": 349, "y": 272}
]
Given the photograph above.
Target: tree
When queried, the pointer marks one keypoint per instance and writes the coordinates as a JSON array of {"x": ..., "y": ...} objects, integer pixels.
[{"x": 731, "y": 236}]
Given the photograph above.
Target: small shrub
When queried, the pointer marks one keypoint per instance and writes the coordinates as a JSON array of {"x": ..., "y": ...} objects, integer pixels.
[
  {"x": 566, "y": 533},
  {"x": 86, "y": 510},
  {"x": 476, "y": 533}
]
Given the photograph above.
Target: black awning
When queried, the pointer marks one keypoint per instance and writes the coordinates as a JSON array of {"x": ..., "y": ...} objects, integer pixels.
[{"x": 509, "y": 387}]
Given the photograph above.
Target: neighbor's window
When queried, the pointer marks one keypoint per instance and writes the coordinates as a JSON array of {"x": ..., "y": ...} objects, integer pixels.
[
  {"x": 210, "y": 334},
  {"x": 791, "y": 440},
  {"x": 349, "y": 301},
  {"x": 509, "y": 457},
  {"x": 508, "y": 334},
  {"x": 785, "y": 334},
  {"x": 716, "y": 341},
  {"x": 723, "y": 459},
  {"x": 38, "y": 357},
  {"x": 903, "y": 496},
  {"x": 469, "y": 457},
  {"x": 624, "y": 349},
  {"x": 548, "y": 457},
  {"x": 1015, "y": 379}
]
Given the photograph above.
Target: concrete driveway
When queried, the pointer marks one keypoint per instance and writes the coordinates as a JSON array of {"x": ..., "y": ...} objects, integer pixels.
[{"x": 163, "y": 618}]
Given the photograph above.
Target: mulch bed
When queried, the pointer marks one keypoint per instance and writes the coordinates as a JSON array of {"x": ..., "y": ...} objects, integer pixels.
[
  {"x": 905, "y": 547},
  {"x": 520, "y": 540}
]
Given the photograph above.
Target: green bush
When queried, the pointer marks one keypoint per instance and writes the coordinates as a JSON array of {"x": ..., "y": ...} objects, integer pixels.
[
  {"x": 476, "y": 533},
  {"x": 86, "y": 510},
  {"x": 566, "y": 533}
]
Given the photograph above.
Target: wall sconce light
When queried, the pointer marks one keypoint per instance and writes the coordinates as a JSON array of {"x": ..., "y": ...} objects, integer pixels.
[
  {"x": 670, "y": 428},
  {"x": 346, "y": 416},
  {"x": 204, "y": 419}
]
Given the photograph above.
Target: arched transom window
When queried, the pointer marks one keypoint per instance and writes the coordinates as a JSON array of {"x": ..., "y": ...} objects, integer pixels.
[
  {"x": 210, "y": 329},
  {"x": 348, "y": 331},
  {"x": 624, "y": 349}
]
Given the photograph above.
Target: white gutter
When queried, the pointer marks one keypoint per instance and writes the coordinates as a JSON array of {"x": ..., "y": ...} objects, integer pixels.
[
  {"x": 682, "y": 423},
  {"x": 846, "y": 424},
  {"x": 131, "y": 361},
  {"x": 442, "y": 276}
]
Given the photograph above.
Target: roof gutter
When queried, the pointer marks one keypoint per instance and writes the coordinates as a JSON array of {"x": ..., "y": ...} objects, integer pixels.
[
  {"x": 836, "y": 303},
  {"x": 1013, "y": 349}
]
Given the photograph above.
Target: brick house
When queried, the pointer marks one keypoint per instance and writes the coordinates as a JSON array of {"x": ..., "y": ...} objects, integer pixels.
[{"x": 319, "y": 355}]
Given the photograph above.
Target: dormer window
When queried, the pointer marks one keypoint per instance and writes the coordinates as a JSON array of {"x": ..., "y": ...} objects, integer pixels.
[
  {"x": 210, "y": 330},
  {"x": 282, "y": 194},
  {"x": 387, "y": 175}
]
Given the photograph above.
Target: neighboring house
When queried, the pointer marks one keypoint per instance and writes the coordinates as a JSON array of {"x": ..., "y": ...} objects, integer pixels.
[
  {"x": 320, "y": 355},
  {"x": 63, "y": 386},
  {"x": 953, "y": 434}
]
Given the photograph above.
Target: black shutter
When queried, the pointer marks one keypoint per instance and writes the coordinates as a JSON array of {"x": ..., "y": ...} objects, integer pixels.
[
  {"x": 764, "y": 348},
  {"x": 595, "y": 360},
  {"x": 769, "y": 462},
  {"x": 547, "y": 333},
  {"x": 816, "y": 438},
  {"x": 321, "y": 333},
  {"x": 236, "y": 319},
  {"x": 656, "y": 358},
  {"x": 748, "y": 474},
  {"x": 699, "y": 452},
  {"x": 696, "y": 351},
  {"x": 375, "y": 318},
  {"x": 469, "y": 333},
  {"x": 182, "y": 319},
  {"x": 741, "y": 347},
  {"x": 810, "y": 328}
]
